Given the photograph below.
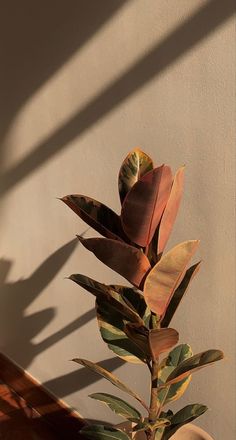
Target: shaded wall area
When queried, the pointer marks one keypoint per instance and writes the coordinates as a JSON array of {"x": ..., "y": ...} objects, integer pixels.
[{"x": 81, "y": 84}]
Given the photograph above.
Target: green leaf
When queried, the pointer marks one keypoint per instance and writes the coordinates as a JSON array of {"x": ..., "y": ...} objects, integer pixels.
[
  {"x": 179, "y": 293},
  {"x": 174, "y": 391},
  {"x": 136, "y": 164},
  {"x": 194, "y": 363},
  {"x": 111, "y": 325},
  {"x": 110, "y": 377},
  {"x": 124, "y": 259},
  {"x": 171, "y": 210},
  {"x": 101, "y": 432},
  {"x": 95, "y": 214},
  {"x": 167, "y": 274},
  {"x": 185, "y": 415},
  {"x": 106, "y": 294},
  {"x": 178, "y": 355},
  {"x": 119, "y": 406},
  {"x": 144, "y": 205}
]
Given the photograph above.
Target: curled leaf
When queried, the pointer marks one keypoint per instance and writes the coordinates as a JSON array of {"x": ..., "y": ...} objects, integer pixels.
[{"x": 136, "y": 164}]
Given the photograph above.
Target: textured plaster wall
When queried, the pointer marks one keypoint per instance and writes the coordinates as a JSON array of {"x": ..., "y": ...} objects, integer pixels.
[{"x": 82, "y": 83}]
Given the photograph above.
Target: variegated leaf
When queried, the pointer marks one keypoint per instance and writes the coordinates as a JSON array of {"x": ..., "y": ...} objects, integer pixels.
[
  {"x": 185, "y": 415},
  {"x": 135, "y": 299},
  {"x": 174, "y": 391},
  {"x": 111, "y": 327},
  {"x": 124, "y": 259},
  {"x": 144, "y": 205},
  {"x": 139, "y": 335},
  {"x": 167, "y": 274},
  {"x": 96, "y": 214},
  {"x": 136, "y": 164},
  {"x": 119, "y": 406},
  {"x": 179, "y": 293},
  {"x": 110, "y": 377},
  {"x": 191, "y": 365},
  {"x": 104, "y": 292},
  {"x": 101, "y": 432},
  {"x": 171, "y": 210}
]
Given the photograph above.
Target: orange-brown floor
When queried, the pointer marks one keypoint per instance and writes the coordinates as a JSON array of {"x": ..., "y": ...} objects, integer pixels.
[{"x": 20, "y": 422}]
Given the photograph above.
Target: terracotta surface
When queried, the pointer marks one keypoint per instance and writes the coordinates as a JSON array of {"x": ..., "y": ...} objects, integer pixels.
[
  {"x": 191, "y": 432},
  {"x": 187, "y": 432},
  {"x": 20, "y": 422}
]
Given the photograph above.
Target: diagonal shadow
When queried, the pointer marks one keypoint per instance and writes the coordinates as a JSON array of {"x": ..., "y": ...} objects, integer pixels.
[
  {"x": 179, "y": 42},
  {"x": 64, "y": 385},
  {"x": 36, "y": 38},
  {"x": 18, "y": 330}
]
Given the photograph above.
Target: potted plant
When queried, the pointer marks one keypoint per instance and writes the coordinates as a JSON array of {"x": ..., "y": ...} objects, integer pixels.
[{"x": 134, "y": 320}]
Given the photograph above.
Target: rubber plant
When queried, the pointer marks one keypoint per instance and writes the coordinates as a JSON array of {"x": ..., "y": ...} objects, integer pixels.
[{"x": 134, "y": 320}]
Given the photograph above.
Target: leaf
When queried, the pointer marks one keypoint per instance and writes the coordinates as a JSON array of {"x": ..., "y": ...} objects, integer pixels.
[
  {"x": 173, "y": 392},
  {"x": 139, "y": 335},
  {"x": 164, "y": 278},
  {"x": 185, "y": 415},
  {"x": 95, "y": 214},
  {"x": 171, "y": 210},
  {"x": 176, "y": 390},
  {"x": 145, "y": 425},
  {"x": 110, "y": 377},
  {"x": 124, "y": 259},
  {"x": 194, "y": 363},
  {"x": 106, "y": 294},
  {"x": 174, "y": 358},
  {"x": 135, "y": 299},
  {"x": 118, "y": 405},
  {"x": 101, "y": 432},
  {"x": 144, "y": 205},
  {"x": 179, "y": 293},
  {"x": 136, "y": 164},
  {"x": 188, "y": 414},
  {"x": 111, "y": 325},
  {"x": 178, "y": 355},
  {"x": 161, "y": 340}
]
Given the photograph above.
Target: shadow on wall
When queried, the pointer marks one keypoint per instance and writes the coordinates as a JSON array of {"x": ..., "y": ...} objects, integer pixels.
[
  {"x": 77, "y": 380},
  {"x": 17, "y": 330},
  {"x": 176, "y": 44},
  {"x": 36, "y": 40}
]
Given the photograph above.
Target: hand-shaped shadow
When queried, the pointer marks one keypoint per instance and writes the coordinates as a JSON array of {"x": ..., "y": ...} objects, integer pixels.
[{"x": 18, "y": 330}]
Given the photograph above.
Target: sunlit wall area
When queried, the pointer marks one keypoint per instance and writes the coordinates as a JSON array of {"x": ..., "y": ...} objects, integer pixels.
[{"x": 83, "y": 83}]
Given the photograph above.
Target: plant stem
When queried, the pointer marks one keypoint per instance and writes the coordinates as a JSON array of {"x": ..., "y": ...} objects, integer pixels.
[{"x": 153, "y": 398}]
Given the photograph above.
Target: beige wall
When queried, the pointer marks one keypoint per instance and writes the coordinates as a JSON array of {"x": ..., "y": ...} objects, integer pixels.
[{"x": 83, "y": 82}]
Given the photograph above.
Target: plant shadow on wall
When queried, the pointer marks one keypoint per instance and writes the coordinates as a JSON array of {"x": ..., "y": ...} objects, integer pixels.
[
  {"x": 37, "y": 38},
  {"x": 39, "y": 65},
  {"x": 18, "y": 329}
]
